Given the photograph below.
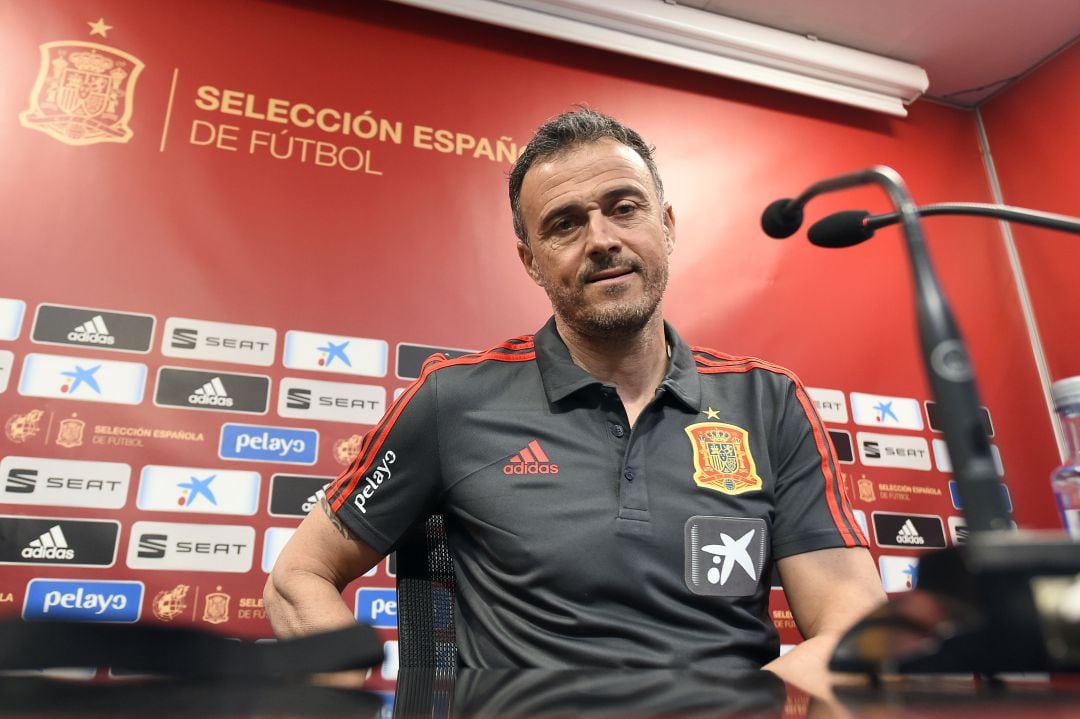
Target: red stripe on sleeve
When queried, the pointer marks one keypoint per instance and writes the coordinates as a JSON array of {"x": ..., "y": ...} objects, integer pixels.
[
  {"x": 838, "y": 510},
  {"x": 340, "y": 489}
]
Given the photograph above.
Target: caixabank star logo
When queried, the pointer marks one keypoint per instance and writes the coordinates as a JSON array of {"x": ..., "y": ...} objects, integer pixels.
[{"x": 84, "y": 93}]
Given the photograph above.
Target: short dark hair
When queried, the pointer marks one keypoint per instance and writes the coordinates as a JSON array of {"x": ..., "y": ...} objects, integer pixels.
[{"x": 565, "y": 131}]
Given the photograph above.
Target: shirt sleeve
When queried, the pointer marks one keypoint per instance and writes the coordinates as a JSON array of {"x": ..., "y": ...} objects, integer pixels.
[
  {"x": 813, "y": 510},
  {"x": 395, "y": 479}
]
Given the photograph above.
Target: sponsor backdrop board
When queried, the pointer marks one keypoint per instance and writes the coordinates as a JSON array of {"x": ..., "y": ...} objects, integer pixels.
[{"x": 234, "y": 248}]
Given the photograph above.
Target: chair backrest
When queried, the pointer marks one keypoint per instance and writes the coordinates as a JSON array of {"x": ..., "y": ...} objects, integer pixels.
[{"x": 425, "y": 599}]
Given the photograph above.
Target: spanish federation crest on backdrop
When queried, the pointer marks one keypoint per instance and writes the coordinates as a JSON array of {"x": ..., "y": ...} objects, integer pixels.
[
  {"x": 84, "y": 93},
  {"x": 722, "y": 459}
]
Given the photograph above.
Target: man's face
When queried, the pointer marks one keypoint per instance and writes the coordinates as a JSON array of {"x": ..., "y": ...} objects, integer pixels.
[{"x": 599, "y": 238}]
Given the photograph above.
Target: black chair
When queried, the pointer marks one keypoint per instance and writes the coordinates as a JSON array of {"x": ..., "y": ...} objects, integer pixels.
[{"x": 425, "y": 599}]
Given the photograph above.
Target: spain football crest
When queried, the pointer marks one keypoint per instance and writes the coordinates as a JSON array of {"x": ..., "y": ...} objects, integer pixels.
[
  {"x": 216, "y": 607},
  {"x": 722, "y": 459},
  {"x": 70, "y": 433},
  {"x": 866, "y": 490},
  {"x": 84, "y": 93}
]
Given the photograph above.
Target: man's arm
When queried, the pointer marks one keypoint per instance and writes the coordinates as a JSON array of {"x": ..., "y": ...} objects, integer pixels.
[
  {"x": 303, "y": 592},
  {"x": 828, "y": 590}
]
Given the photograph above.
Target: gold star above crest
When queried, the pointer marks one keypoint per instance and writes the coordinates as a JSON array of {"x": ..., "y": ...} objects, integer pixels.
[
  {"x": 99, "y": 27},
  {"x": 712, "y": 413}
]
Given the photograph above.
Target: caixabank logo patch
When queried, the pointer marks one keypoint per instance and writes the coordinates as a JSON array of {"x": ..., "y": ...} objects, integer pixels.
[
  {"x": 84, "y": 92},
  {"x": 725, "y": 556},
  {"x": 82, "y": 378}
]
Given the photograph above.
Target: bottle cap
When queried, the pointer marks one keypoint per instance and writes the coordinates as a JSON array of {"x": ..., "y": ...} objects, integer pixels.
[{"x": 1066, "y": 392}]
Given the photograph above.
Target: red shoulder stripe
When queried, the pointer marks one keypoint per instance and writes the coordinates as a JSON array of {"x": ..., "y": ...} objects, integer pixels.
[
  {"x": 839, "y": 507},
  {"x": 339, "y": 490},
  {"x": 835, "y": 496}
]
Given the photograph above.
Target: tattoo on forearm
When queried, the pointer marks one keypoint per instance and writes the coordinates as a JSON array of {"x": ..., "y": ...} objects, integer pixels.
[{"x": 333, "y": 517}]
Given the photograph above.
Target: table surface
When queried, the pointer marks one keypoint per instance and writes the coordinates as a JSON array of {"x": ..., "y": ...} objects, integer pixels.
[{"x": 541, "y": 693}]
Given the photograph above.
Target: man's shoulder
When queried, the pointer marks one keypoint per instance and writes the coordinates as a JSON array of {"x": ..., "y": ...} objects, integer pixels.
[
  {"x": 708, "y": 361},
  {"x": 515, "y": 350}
]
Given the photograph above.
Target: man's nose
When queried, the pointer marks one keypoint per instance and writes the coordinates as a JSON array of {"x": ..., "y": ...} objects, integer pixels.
[{"x": 602, "y": 235}]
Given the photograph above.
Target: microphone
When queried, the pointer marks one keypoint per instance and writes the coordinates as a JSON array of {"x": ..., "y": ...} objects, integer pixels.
[
  {"x": 975, "y": 606},
  {"x": 841, "y": 229},
  {"x": 844, "y": 229},
  {"x": 945, "y": 356},
  {"x": 782, "y": 219}
]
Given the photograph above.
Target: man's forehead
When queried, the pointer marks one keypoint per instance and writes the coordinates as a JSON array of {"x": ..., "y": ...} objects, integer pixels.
[
  {"x": 597, "y": 161},
  {"x": 586, "y": 152}
]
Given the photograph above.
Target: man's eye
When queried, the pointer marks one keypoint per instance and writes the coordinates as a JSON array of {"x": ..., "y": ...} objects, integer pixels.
[
  {"x": 625, "y": 208},
  {"x": 563, "y": 225}
]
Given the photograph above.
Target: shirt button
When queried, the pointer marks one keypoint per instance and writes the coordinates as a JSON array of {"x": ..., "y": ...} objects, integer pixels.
[
  {"x": 629, "y": 474},
  {"x": 617, "y": 430}
]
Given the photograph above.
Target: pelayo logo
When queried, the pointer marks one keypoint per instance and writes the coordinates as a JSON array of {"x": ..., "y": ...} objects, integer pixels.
[
  {"x": 259, "y": 443},
  {"x": 83, "y": 601}
]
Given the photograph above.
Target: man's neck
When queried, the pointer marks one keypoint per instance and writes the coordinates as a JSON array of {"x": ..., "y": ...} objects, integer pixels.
[{"x": 634, "y": 364}]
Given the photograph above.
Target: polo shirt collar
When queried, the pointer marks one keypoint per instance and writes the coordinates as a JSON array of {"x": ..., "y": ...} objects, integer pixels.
[{"x": 562, "y": 378}]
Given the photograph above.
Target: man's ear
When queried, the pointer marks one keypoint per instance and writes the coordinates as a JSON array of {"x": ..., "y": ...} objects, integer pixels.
[
  {"x": 525, "y": 253},
  {"x": 669, "y": 227}
]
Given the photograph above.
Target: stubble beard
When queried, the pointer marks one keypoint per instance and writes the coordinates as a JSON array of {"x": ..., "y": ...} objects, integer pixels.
[{"x": 610, "y": 319}]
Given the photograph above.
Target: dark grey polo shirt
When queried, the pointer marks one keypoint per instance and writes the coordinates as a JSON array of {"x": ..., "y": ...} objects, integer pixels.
[{"x": 581, "y": 542}]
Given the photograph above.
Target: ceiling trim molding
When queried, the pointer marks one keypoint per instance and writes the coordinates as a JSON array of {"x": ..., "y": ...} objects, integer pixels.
[{"x": 706, "y": 42}]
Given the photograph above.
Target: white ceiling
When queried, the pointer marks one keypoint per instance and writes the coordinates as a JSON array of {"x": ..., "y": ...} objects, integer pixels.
[{"x": 969, "y": 48}]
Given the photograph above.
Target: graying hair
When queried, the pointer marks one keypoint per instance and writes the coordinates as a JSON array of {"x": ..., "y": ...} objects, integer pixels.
[{"x": 565, "y": 131}]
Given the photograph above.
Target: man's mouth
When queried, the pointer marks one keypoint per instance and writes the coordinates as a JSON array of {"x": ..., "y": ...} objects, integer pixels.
[{"x": 609, "y": 274}]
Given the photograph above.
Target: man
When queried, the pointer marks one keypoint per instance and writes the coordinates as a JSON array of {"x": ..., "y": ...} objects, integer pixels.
[{"x": 612, "y": 497}]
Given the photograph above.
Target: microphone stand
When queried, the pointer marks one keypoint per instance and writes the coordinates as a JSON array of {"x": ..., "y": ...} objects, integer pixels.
[
  {"x": 1009, "y": 213},
  {"x": 975, "y": 606},
  {"x": 944, "y": 356}
]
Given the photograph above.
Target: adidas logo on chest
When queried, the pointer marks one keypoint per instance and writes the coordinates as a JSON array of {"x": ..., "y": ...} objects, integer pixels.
[{"x": 530, "y": 460}]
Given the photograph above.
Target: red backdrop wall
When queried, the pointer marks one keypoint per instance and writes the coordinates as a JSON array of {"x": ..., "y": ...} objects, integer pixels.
[
  {"x": 392, "y": 238},
  {"x": 1031, "y": 131}
]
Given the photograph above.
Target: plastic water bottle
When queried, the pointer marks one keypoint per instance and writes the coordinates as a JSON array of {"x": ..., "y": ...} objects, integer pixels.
[{"x": 1066, "y": 478}]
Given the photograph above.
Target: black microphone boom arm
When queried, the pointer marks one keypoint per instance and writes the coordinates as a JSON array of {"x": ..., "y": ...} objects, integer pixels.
[
  {"x": 1022, "y": 215},
  {"x": 944, "y": 353}
]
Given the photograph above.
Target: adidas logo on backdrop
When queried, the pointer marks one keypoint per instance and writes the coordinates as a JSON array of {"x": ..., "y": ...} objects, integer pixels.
[
  {"x": 51, "y": 545},
  {"x": 909, "y": 535},
  {"x": 94, "y": 330},
  {"x": 211, "y": 393}
]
